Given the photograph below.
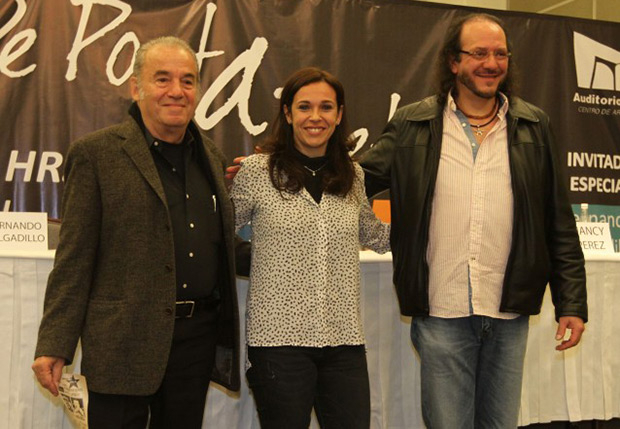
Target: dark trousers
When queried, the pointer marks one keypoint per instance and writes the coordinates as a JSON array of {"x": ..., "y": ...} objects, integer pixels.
[
  {"x": 180, "y": 400},
  {"x": 288, "y": 381}
]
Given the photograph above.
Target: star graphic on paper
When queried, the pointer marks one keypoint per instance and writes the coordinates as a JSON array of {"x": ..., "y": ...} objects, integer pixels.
[{"x": 73, "y": 382}]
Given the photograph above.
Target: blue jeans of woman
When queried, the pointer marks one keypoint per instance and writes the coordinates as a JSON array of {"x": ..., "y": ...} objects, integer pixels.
[{"x": 471, "y": 370}]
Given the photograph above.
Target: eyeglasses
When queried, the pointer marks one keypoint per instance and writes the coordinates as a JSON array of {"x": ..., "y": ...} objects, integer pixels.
[{"x": 483, "y": 54}]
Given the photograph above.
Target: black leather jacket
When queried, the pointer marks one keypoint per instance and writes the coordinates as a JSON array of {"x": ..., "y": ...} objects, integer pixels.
[{"x": 545, "y": 246}]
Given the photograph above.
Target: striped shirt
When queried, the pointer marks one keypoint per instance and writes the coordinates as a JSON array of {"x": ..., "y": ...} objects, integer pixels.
[{"x": 471, "y": 223}]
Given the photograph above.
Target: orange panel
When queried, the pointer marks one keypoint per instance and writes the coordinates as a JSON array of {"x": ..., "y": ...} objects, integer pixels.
[{"x": 382, "y": 210}]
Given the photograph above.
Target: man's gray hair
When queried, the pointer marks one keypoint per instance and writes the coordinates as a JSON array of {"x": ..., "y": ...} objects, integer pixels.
[{"x": 167, "y": 41}]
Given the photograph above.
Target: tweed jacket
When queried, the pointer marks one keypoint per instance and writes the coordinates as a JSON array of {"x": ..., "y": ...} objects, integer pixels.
[{"x": 113, "y": 283}]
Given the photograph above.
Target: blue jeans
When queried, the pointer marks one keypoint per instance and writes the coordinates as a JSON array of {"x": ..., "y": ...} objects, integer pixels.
[
  {"x": 288, "y": 381},
  {"x": 471, "y": 370}
]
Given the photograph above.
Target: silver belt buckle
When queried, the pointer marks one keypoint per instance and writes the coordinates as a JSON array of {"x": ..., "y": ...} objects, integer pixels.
[{"x": 191, "y": 311}]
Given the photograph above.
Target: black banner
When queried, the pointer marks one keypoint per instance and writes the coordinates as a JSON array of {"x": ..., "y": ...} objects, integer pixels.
[{"x": 65, "y": 64}]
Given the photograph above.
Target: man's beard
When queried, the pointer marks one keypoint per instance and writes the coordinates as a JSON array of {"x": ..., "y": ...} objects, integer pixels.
[{"x": 469, "y": 84}]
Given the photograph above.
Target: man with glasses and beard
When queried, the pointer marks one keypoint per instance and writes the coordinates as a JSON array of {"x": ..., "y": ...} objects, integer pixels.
[{"x": 481, "y": 222}]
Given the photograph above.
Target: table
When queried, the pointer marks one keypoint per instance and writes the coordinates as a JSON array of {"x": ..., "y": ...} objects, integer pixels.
[
  {"x": 579, "y": 384},
  {"x": 582, "y": 383}
]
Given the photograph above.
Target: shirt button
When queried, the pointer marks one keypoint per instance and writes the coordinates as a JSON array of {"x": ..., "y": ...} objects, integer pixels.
[
  {"x": 184, "y": 285},
  {"x": 191, "y": 225},
  {"x": 464, "y": 124},
  {"x": 168, "y": 311},
  {"x": 187, "y": 196},
  {"x": 191, "y": 254},
  {"x": 174, "y": 169},
  {"x": 156, "y": 144}
]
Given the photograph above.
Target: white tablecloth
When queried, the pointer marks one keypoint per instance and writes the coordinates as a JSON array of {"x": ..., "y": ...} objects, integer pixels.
[{"x": 580, "y": 384}]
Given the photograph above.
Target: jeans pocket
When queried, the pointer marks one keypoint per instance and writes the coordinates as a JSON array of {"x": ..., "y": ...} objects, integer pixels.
[
  {"x": 413, "y": 333},
  {"x": 260, "y": 373}
]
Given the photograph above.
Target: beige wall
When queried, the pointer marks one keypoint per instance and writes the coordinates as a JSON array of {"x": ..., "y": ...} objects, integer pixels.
[
  {"x": 489, "y": 4},
  {"x": 605, "y": 10}
]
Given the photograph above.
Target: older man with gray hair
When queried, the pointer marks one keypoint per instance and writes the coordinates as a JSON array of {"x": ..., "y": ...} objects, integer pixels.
[{"x": 144, "y": 272}]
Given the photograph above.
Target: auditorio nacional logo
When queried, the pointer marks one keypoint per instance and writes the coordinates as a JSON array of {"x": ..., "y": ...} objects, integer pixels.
[{"x": 598, "y": 68}]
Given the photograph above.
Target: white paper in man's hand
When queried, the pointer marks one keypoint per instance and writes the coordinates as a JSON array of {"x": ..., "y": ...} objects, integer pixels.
[{"x": 74, "y": 394}]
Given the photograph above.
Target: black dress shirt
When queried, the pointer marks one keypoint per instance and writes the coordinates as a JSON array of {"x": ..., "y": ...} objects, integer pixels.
[{"x": 196, "y": 223}]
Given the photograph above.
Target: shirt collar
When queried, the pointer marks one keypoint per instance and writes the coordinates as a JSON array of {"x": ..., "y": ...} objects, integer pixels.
[
  {"x": 503, "y": 104},
  {"x": 134, "y": 112}
]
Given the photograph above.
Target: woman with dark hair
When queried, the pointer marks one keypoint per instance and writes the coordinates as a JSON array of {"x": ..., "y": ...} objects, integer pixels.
[{"x": 305, "y": 200}]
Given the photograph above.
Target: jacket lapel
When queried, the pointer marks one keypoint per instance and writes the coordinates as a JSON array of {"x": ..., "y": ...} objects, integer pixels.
[{"x": 137, "y": 149}]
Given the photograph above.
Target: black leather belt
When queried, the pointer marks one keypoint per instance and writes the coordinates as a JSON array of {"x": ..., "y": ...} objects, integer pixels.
[{"x": 186, "y": 309}]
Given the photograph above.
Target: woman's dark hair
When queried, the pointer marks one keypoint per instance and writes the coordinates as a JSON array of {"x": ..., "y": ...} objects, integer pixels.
[
  {"x": 450, "y": 51},
  {"x": 286, "y": 170}
]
